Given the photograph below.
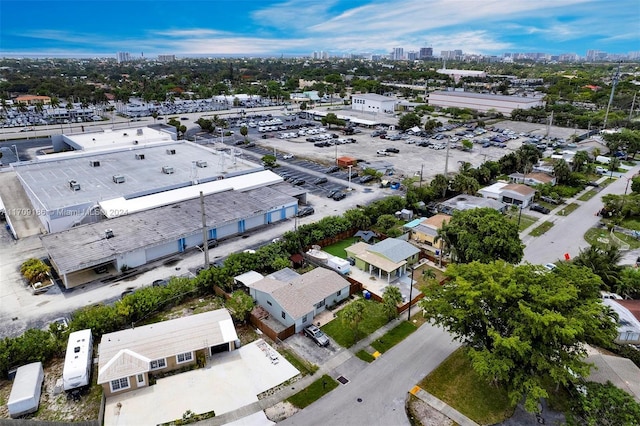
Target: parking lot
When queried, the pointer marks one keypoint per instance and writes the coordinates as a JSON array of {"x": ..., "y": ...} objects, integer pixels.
[{"x": 302, "y": 139}]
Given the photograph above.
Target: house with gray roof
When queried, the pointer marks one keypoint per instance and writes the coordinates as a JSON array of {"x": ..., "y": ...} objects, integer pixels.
[
  {"x": 127, "y": 358},
  {"x": 295, "y": 301},
  {"x": 390, "y": 257}
]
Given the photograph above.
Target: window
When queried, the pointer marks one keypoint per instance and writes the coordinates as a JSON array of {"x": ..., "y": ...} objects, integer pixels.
[
  {"x": 269, "y": 303},
  {"x": 119, "y": 384},
  {"x": 158, "y": 363},
  {"x": 320, "y": 304},
  {"x": 304, "y": 319},
  {"x": 185, "y": 357},
  {"x": 339, "y": 293},
  {"x": 284, "y": 315}
]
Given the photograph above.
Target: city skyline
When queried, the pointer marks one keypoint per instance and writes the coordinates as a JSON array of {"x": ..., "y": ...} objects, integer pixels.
[{"x": 300, "y": 27}]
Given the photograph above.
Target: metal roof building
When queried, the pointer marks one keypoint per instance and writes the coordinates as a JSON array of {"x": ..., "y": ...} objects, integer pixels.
[{"x": 483, "y": 102}]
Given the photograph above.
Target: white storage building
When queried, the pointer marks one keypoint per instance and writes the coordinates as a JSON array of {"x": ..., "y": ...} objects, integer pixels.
[
  {"x": 371, "y": 102},
  {"x": 26, "y": 390},
  {"x": 483, "y": 102}
]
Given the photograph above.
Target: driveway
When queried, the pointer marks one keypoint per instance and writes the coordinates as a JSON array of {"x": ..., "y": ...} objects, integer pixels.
[
  {"x": 307, "y": 349},
  {"x": 230, "y": 381}
]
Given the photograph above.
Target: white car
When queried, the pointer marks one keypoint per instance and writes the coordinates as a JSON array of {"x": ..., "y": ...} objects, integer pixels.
[
  {"x": 287, "y": 156},
  {"x": 550, "y": 266}
]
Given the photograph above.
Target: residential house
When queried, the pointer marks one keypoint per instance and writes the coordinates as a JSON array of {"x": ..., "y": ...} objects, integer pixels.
[
  {"x": 628, "y": 320},
  {"x": 467, "y": 202},
  {"x": 509, "y": 193},
  {"x": 127, "y": 358},
  {"x": 426, "y": 232},
  {"x": 294, "y": 300},
  {"x": 391, "y": 257},
  {"x": 532, "y": 179}
]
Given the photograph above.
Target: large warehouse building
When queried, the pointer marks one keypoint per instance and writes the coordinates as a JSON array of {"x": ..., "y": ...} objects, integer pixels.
[
  {"x": 483, "y": 102},
  {"x": 373, "y": 103}
]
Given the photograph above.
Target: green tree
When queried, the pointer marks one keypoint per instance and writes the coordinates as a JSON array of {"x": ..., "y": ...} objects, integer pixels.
[
  {"x": 562, "y": 171},
  {"x": 614, "y": 165},
  {"x": 239, "y": 305},
  {"x": 522, "y": 325},
  {"x": 603, "y": 405},
  {"x": 482, "y": 235},
  {"x": 465, "y": 184},
  {"x": 603, "y": 262},
  {"x": 34, "y": 270},
  {"x": 352, "y": 315},
  {"x": 440, "y": 184},
  {"x": 635, "y": 184},
  {"x": 391, "y": 297},
  {"x": 269, "y": 160},
  {"x": 330, "y": 119},
  {"x": 386, "y": 222},
  {"x": 358, "y": 218},
  {"x": 408, "y": 120},
  {"x": 244, "y": 131},
  {"x": 579, "y": 160},
  {"x": 629, "y": 284},
  {"x": 467, "y": 145}
]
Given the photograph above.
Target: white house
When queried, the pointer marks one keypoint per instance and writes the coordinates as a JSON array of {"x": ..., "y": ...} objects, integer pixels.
[
  {"x": 296, "y": 301},
  {"x": 371, "y": 102},
  {"x": 509, "y": 193}
]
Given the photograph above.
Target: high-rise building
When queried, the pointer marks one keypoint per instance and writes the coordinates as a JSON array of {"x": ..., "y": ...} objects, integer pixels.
[
  {"x": 412, "y": 56},
  {"x": 426, "y": 52},
  {"x": 397, "y": 54},
  {"x": 123, "y": 57},
  {"x": 166, "y": 58},
  {"x": 320, "y": 55}
]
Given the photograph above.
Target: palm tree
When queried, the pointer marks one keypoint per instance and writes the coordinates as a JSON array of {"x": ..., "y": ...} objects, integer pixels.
[
  {"x": 391, "y": 297},
  {"x": 440, "y": 184},
  {"x": 603, "y": 262},
  {"x": 352, "y": 314},
  {"x": 579, "y": 161},
  {"x": 562, "y": 171}
]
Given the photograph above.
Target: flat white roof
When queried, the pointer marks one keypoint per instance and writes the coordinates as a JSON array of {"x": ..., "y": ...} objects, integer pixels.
[
  {"x": 496, "y": 188},
  {"x": 109, "y": 139},
  {"x": 120, "y": 206}
]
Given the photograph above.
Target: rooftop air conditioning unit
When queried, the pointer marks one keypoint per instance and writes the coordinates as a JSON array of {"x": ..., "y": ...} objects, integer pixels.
[
  {"x": 108, "y": 233},
  {"x": 74, "y": 185},
  {"x": 139, "y": 132},
  {"x": 135, "y": 142},
  {"x": 139, "y": 156},
  {"x": 202, "y": 164},
  {"x": 94, "y": 163},
  {"x": 171, "y": 151},
  {"x": 167, "y": 170},
  {"x": 118, "y": 179}
]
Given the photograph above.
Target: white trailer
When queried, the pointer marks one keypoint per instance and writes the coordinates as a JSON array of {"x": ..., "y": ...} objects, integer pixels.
[
  {"x": 339, "y": 265},
  {"x": 77, "y": 362},
  {"x": 26, "y": 389}
]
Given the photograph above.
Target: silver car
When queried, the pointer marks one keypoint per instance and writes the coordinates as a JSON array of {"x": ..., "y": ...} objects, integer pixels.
[{"x": 317, "y": 335}]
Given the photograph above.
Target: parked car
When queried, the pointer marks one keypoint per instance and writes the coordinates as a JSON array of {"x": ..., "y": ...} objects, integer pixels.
[
  {"x": 332, "y": 193},
  {"x": 540, "y": 209},
  {"x": 332, "y": 169},
  {"x": 394, "y": 150},
  {"x": 320, "y": 181},
  {"x": 287, "y": 156},
  {"x": 365, "y": 179},
  {"x": 382, "y": 152},
  {"x": 298, "y": 182},
  {"x": 316, "y": 335},
  {"x": 339, "y": 196},
  {"x": 160, "y": 283},
  {"x": 305, "y": 211}
]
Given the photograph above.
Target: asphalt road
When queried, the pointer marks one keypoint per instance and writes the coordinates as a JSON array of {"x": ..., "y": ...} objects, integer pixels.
[
  {"x": 376, "y": 395},
  {"x": 567, "y": 233}
]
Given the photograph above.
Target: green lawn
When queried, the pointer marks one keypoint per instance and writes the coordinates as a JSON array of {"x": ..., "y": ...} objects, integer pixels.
[
  {"x": 631, "y": 223},
  {"x": 525, "y": 221},
  {"x": 455, "y": 382},
  {"x": 337, "y": 249},
  {"x": 393, "y": 336},
  {"x": 313, "y": 392},
  {"x": 373, "y": 318},
  {"x": 365, "y": 356},
  {"x": 599, "y": 237},
  {"x": 541, "y": 229},
  {"x": 567, "y": 210},
  {"x": 587, "y": 195}
]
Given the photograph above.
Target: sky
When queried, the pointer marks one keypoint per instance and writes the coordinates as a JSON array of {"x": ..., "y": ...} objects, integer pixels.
[{"x": 300, "y": 27}]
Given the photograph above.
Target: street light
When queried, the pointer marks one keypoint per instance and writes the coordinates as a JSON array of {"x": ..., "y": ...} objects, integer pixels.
[
  {"x": 410, "y": 293},
  {"x": 350, "y": 166}
]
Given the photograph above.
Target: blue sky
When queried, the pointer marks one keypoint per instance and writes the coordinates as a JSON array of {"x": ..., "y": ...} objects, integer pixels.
[{"x": 299, "y": 27}]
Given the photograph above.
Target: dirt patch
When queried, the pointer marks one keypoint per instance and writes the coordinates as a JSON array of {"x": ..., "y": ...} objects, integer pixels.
[
  {"x": 54, "y": 405},
  {"x": 281, "y": 411},
  {"x": 422, "y": 414}
]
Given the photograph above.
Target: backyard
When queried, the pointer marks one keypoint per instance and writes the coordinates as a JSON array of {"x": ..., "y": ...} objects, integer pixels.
[{"x": 337, "y": 249}]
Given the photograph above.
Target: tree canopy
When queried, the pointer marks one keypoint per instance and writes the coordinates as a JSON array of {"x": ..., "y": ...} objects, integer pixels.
[
  {"x": 482, "y": 235},
  {"x": 408, "y": 120},
  {"x": 522, "y": 325}
]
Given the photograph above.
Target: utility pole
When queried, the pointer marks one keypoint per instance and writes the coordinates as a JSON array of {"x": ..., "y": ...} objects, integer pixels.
[
  {"x": 633, "y": 103},
  {"x": 205, "y": 237},
  {"x": 614, "y": 83}
]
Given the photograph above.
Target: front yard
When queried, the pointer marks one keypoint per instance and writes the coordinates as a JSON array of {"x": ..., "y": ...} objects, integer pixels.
[{"x": 343, "y": 334}]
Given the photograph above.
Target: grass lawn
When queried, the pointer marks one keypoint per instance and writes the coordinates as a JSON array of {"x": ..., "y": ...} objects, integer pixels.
[
  {"x": 600, "y": 237},
  {"x": 422, "y": 279},
  {"x": 539, "y": 230},
  {"x": 455, "y": 382},
  {"x": 373, "y": 318},
  {"x": 365, "y": 356},
  {"x": 631, "y": 223},
  {"x": 393, "y": 336},
  {"x": 567, "y": 210},
  {"x": 313, "y": 392},
  {"x": 303, "y": 366},
  {"x": 587, "y": 195},
  {"x": 337, "y": 249},
  {"x": 525, "y": 221}
]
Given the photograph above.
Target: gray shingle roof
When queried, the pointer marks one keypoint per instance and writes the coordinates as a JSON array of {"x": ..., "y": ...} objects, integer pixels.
[{"x": 394, "y": 249}]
